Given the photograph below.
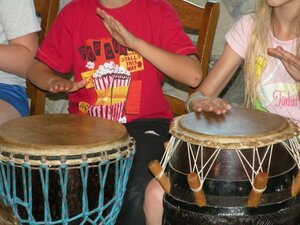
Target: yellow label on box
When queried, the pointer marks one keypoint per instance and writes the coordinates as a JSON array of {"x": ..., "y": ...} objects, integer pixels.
[{"x": 111, "y": 96}]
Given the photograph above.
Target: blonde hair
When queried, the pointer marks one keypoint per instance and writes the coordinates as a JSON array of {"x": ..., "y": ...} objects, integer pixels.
[{"x": 257, "y": 46}]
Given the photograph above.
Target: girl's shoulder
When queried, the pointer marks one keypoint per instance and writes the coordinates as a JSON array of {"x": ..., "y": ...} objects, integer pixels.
[
  {"x": 243, "y": 25},
  {"x": 246, "y": 20},
  {"x": 238, "y": 35}
]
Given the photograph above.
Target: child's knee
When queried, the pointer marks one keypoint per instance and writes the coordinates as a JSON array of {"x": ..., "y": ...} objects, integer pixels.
[{"x": 153, "y": 195}]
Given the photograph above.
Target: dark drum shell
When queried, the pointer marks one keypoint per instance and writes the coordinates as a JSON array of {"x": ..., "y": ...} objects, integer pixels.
[
  {"x": 227, "y": 186},
  {"x": 64, "y": 168}
]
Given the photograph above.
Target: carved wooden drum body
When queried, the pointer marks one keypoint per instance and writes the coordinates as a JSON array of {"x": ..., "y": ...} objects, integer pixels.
[
  {"x": 64, "y": 169},
  {"x": 239, "y": 169}
]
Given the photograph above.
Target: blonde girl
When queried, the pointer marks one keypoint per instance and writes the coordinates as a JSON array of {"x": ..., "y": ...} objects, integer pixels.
[{"x": 267, "y": 41}]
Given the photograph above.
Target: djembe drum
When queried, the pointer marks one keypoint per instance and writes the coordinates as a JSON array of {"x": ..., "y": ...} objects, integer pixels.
[
  {"x": 239, "y": 169},
  {"x": 64, "y": 169}
]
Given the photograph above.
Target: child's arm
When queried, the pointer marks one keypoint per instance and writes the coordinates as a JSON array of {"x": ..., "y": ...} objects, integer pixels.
[
  {"x": 290, "y": 61},
  {"x": 184, "y": 69},
  {"x": 43, "y": 77},
  {"x": 17, "y": 56},
  {"x": 206, "y": 98}
]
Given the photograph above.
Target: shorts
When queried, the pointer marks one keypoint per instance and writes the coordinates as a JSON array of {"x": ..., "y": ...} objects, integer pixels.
[
  {"x": 150, "y": 135},
  {"x": 16, "y": 96}
]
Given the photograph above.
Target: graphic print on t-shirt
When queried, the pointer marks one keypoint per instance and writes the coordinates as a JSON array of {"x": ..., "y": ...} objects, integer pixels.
[
  {"x": 109, "y": 69},
  {"x": 276, "y": 90}
]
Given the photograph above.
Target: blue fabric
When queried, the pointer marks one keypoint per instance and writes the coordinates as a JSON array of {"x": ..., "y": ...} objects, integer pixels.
[{"x": 16, "y": 96}]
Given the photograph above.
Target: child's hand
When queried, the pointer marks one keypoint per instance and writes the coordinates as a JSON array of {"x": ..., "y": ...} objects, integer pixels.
[
  {"x": 57, "y": 85},
  {"x": 117, "y": 30},
  {"x": 216, "y": 105},
  {"x": 290, "y": 61}
]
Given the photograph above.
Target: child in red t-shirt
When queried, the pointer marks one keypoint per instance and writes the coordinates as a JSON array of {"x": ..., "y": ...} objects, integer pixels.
[{"x": 119, "y": 52}]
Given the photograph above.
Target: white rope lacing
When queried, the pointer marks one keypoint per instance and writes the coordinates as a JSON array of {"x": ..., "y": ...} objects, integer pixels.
[
  {"x": 293, "y": 147},
  {"x": 257, "y": 162},
  {"x": 171, "y": 148},
  {"x": 193, "y": 159}
]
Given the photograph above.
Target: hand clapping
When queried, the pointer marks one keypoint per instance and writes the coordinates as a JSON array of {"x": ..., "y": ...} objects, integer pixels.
[
  {"x": 117, "y": 30},
  {"x": 291, "y": 62}
]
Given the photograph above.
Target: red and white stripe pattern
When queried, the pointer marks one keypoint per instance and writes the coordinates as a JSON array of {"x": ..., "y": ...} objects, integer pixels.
[
  {"x": 111, "y": 112},
  {"x": 116, "y": 111},
  {"x": 110, "y": 76},
  {"x": 103, "y": 82}
]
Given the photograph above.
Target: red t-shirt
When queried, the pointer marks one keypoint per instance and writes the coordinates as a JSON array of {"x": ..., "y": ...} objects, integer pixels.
[{"x": 122, "y": 85}]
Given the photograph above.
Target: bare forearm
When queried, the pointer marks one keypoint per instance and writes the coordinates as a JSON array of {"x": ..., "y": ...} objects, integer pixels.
[
  {"x": 217, "y": 80},
  {"x": 16, "y": 56},
  {"x": 41, "y": 75},
  {"x": 221, "y": 73},
  {"x": 181, "y": 68},
  {"x": 15, "y": 59},
  {"x": 45, "y": 78}
]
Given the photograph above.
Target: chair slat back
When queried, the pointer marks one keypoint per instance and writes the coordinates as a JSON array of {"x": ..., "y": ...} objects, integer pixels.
[{"x": 203, "y": 23}]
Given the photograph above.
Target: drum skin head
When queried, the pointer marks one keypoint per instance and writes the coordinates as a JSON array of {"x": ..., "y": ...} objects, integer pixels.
[
  {"x": 238, "y": 128},
  {"x": 61, "y": 134},
  {"x": 237, "y": 122}
]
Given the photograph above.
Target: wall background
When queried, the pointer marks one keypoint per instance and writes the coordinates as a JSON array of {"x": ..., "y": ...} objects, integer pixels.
[{"x": 231, "y": 10}]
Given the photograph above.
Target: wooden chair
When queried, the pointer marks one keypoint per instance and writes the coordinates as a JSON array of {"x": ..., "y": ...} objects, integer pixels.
[
  {"x": 47, "y": 11},
  {"x": 203, "y": 22}
]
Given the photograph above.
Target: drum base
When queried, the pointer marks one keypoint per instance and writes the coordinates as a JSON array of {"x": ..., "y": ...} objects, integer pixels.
[{"x": 176, "y": 215}]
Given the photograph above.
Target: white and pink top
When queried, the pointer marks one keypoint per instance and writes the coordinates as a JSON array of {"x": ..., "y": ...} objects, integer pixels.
[{"x": 277, "y": 90}]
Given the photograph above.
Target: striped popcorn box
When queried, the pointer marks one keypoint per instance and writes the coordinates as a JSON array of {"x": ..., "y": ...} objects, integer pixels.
[
  {"x": 111, "y": 83},
  {"x": 102, "y": 82},
  {"x": 111, "y": 112},
  {"x": 103, "y": 111}
]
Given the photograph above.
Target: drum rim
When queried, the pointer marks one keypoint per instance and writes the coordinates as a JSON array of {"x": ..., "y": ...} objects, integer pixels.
[
  {"x": 19, "y": 151},
  {"x": 125, "y": 148},
  {"x": 233, "y": 142}
]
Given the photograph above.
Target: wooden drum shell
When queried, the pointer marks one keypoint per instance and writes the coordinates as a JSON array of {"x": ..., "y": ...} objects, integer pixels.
[
  {"x": 226, "y": 186},
  {"x": 72, "y": 147}
]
